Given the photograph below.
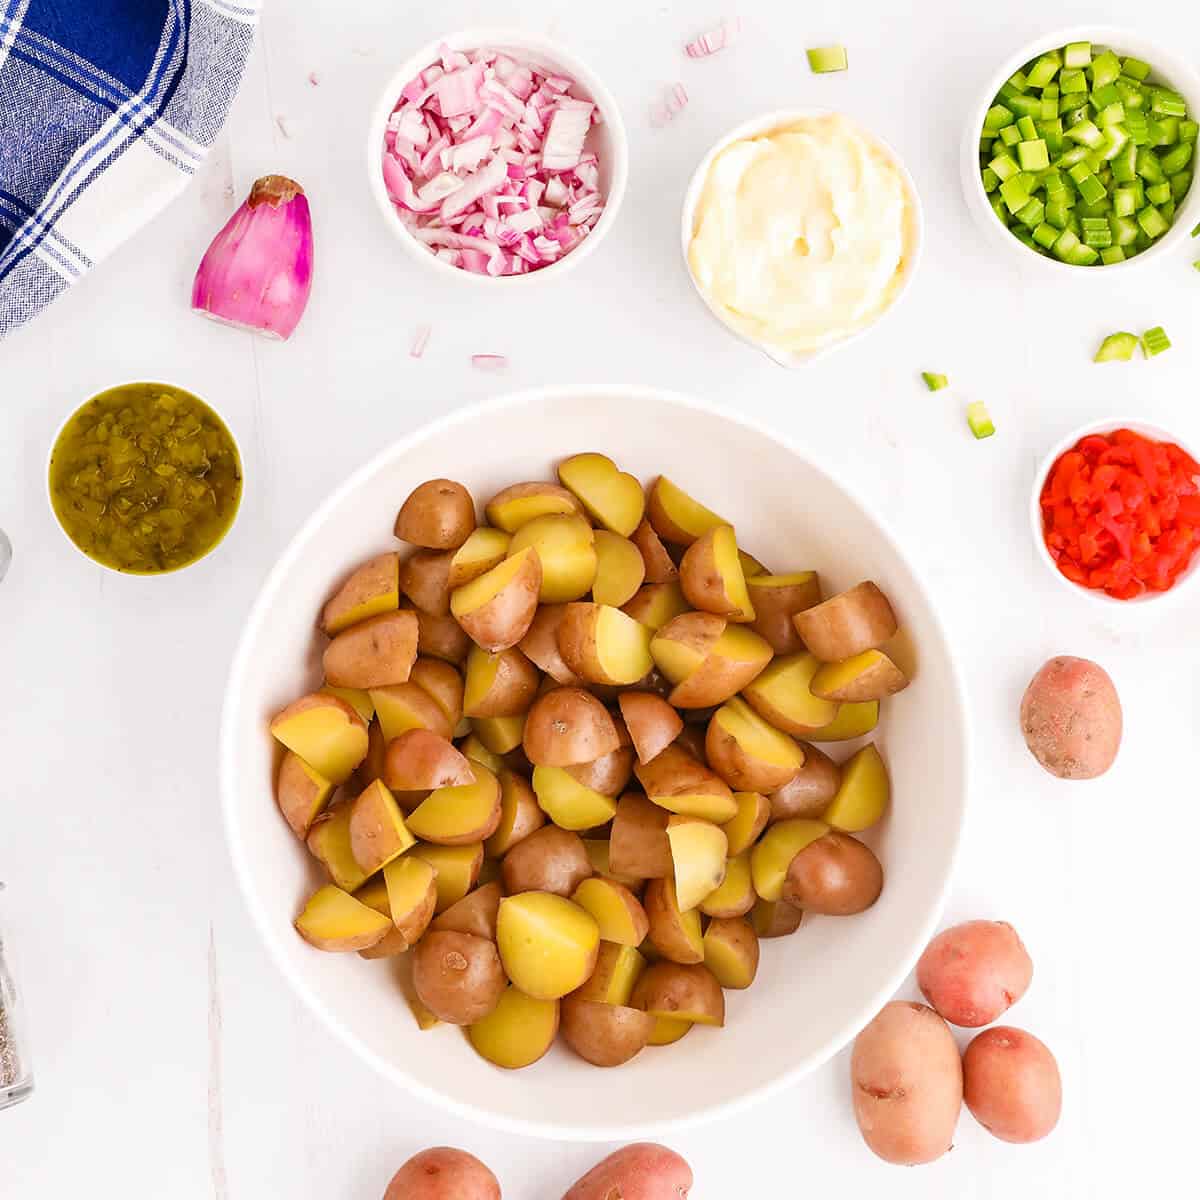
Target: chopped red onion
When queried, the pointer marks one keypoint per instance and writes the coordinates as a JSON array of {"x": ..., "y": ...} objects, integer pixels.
[
  {"x": 712, "y": 40},
  {"x": 420, "y": 341},
  {"x": 671, "y": 105},
  {"x": 489, "y": 362},
  {"x": 485, "y": 161}
]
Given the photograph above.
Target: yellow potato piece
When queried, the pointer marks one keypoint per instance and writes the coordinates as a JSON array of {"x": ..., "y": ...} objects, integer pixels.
[
  {"x": 745, "y": 750},
  {"x": 521, "y": 503},
  {"x": 478, "y": 554},
  {"x": 358, "y": 699},
  {"x": 499, "y": 734},
  {"x": 548, "y": 944},
  {"x": 867, "y": 676},
  {"x": 712, "y": 577},
  {"x": 676, "y": 660},
  {"x": 656, "y": 604},
  {"x": 676, "y": 517},
  {"x": 743, "y": 828},
  {"x": 598, "y": 855},
  {"x": 474, "y": 595},
  {"x": 717, "y": 808},
  {"x": 517, "y": 1032},
  {"x": 770, "y": 859},
  {"x": 455, "y": 816},
  {"x": 329, "y": 841},
  {"x": 862, "y": 797},
  {"x": 735, "y": 895},
  {"x": 372, "y": 589},
  {"x": 326, "y": 732},
  {"x": 731, "y": 952},
  {"x": 852, "y": 720},
  {"x": 378, "y": 832},
  {"x": 334, "y": 920},
  {"x": 615, "y": 975},
  {"x": 781, "y": 696},
  {"x": 604, "y": 645},
  {"x": 617, "y": 912},
  {"x": 300, "y": 792},
  {"x": 474, "y": 749},
  {"x": 457, "y": 869},
  {"x": 620, "y": 569},
  {"x": 698, "y": 850},
  {"x": 568, "y": 557},
  {"x": 668, "y": 1030},
  {"x": 568, "y": 803},
  {"x": 406, "y": 881},
  {"x": 406, "y": 706},
  {"x": 612, "y": 497}
]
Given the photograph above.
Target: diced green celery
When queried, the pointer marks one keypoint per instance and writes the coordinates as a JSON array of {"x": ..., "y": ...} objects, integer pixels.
[
  {"x": 825, "y": 59},
  {"x": 1073, "y": 156},
  {"x": 1019, "y": 81},
  {"x": 1026, "y": 128},
  {"x": 1117, "y": 347},
  {"x": 1167, "y": 208},
  {"x": 1096, "y": 161},
  {"x": 1124, "y": 166},
  {"x": 1168, "y": 131},
  {"x": 1007, "y": 92},
  {"x": 998, "y": 207},
  {"x": 991, "y": 181},
  {"x": 1188, "y": 130},
  {"x": 1124, "y": 230},
  {"x": 1158, "y": 193},
  {"x": 1155, "y": 341},
  {"x": 1098, "y": 240},
  {"x": 1072, "y": 81},
  {"x": 1049, "y": 107},
  {"x": 1074, "y": 226},
  {"x": 1032, "y": 213},
  {"x": 1153, "y": 223},
  {"x": 1014, "y": 194},
  {"x": 1112, "y": 254},
  {"x": 1083, "y": 210},
  {"x": 1010, "y": 135},
  {"x": 1106, "y": 68},
  {"x": 1156, "y": 134},
  {"x": 1050, "y": 91},
  {"x": 1115, "y": 140},
  {"x": 1148, "y": 166},
  {"x": 979, "y": 420},
  {"x": 1131, "y": 93},
  {"x": 1177, "y": 158},
  {"x": 1066, "y": 245},
  {"x": 1114, "y": 114},
  {"x": 1076, "y": 116},
  {"x": 1057, "y": 214},
  {"x": 1033, "y": 155},
  {"x": 1052, "y": 181},
  {"x": 1079, "y": 171},
  {"x": 1125, "y": 201},
  {"x": 1005, "y": 166},
  {"x": 1180, "y": 184},
  {"x": 997, "y": 118},
  {"x": 1135, "y": 69},
  {"x": 1025, "y": 106},
  {"x": 933, "y": 382},
  {"x": 1024, "y": 237},
  {"x": 1045, "y": 234},
  {"x": 1091, "y": 189},
  {"x": 1077, "y": 54},
  {"x": 1167, "y": 103},
  {"x": 1045, "y": 69},
  {"x": 1141, "y": 243},
  {"x": 1196, "y": 231},
  {"x": 1138, "y": 128},
  {"x": 1105, "y": 95},
  {"x": 1029, "y": 181},
  {"x": 1086, "y": 133},
  {"x": 1083, "y": 256}
]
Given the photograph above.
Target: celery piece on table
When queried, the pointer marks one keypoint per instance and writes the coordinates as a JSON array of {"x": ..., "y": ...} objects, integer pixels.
[
  {"x": 979, "y": 420},
  {"x": 934, "y": 382},
  {"x": 1155, "y": 341},
  {"x": 1117, "y": 347},
  {"x": 824, "y": 60}
]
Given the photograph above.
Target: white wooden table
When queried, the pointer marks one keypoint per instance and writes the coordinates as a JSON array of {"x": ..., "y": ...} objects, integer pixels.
[{"x": 171, "y": 1059}]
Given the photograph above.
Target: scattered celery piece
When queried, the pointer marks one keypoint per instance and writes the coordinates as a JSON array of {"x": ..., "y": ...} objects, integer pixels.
[
  {"x": 1032, "y": 213},
  {"x": 1180, "y": 184},
  {"x": 979, "y": 420},
  {"x": 1014, "y": 193},
  {"x": 1155, "y": 341},
  {"x": 1196, "y": 231},
  {"x": 1045, "y": 69},
  {"x": 933, "y": 382},
  {"x": 1005, "y": 166},
  {"x": 1125, "y": 201},
  {"x": 823, "y": 60},
  {"x": 1117, "y": 347},
  {"x": 1010, "y": 135},
  {"x": 1025, "y": 106},
  {"x": 1188, "y": 131}
]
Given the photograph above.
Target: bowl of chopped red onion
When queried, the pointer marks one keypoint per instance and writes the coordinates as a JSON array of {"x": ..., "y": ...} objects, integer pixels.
[{"x": 494, "y": 154}]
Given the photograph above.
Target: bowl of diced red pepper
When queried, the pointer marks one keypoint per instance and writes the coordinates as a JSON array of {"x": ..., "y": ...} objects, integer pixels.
[{"x": 1116, "y": 512}]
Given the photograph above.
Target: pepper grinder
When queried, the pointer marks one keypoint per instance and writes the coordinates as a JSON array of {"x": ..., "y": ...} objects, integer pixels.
[{"x": 16, "y": 1077}]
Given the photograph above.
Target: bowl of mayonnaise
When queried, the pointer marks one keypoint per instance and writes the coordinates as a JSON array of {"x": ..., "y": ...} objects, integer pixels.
[{"x": 801, "y": 230}]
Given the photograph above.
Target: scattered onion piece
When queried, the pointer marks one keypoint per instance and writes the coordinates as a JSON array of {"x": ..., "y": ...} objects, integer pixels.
[
  {"x": 489, "y": 362},
  {"x": 712, "y": 40},
  {"x": 670, "y": 106},
  {"x": 420, "y": 341}
]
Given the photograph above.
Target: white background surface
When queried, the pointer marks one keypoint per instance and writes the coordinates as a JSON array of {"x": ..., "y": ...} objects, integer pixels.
[{"x": 171, "y": 1061}]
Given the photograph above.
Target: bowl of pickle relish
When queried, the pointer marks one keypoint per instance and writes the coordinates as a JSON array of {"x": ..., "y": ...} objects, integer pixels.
[{"x": 145, "y": 478}]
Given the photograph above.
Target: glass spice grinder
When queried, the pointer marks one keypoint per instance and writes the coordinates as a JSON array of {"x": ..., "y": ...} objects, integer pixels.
[{"x": 16, "y": 1077}]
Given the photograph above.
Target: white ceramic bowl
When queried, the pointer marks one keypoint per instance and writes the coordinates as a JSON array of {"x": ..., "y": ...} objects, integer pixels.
[
  {"x": 1141, "y": 605},
  {"x": 767, "y": 123},
  {"x": 607, "y": 140},
  {"x": 1168, "y": 66},
  {"x": 816, "y": 989}
]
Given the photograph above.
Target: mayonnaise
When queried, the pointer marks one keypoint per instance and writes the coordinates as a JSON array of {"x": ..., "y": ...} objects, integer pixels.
[{"x": 801, "y": 235}]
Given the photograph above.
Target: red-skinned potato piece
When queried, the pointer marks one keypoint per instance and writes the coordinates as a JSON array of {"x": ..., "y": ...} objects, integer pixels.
[
  {"x": 458, "y": 976},
  {"x": 475, "y": 913},
  {"x": 835, "y": 875},
  {"x": 441, "y": 637},
  {"x": 425, "y": 581},
  {"x": 540, "y": 645},
  {"x": 608, "y": 775},
  {"x": 439, "y": 515},
  {"x": 374, "y": 653},
  {"x": 548, "y": 860},
  {"x": 566, "y": 727},
  {"x": 419, "y": 760},
  {"x": 497, "y": 608},
  {"x": 499, "y": 685},
  {"x": 1071, "y": 718},
  {"x": 652, "y": 723},
  {"x": 300, "y": 792},
  {"x": 847, "y": 624},
  {"x": 605, "y": 1035},
  {"x": 660, "y": 568},
  {"x": 371, "y": 590},
  {"x": 638, "y": 846},
  {"x": 1012, "y": 1085},
  {"x": 809, "y": 791},
  {"x": 643, "y": 1171},
  {"x": 712, "y": 577},
  {"x": 443, "y": 1173},
  {"x": 776, "y": 599},
  {"x": 975, "y": 972},
  {"x": 325, "y": 731}
]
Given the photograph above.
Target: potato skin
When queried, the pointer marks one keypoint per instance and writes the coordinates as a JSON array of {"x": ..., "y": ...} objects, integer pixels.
[
  {"x": 643, "y": 1171},
  {"x": 973, "y": 973},
  {"x": 809, "y": 791},
  {"x": 439, "y": 515},
  {"x": 847, "y": 624},
  {"x": 548, "y": 860},
  {"x": 606, "y": 1035},
  {"x": 458, "y": 976},
  {"x": 836, "y": 876},
  {"x": 443, "y": 1173},
  {"x": 1071, "y": 718},
  {"x": 1011, "y": 1084},
  {"x": 568, "y": 727},
  {"x": 907, "y": 1083}
]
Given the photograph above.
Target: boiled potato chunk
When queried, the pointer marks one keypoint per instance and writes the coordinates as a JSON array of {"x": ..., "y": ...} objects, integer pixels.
[
  {"x": 497, "y": 608},
  {"x": 540, "y": 645},
  {"x": 517, "y": 1032},
  {"x": 519, "y": 814},
  {"x": 776, "y": 599},
  {"x": 658, "y": 564},
  {"x": 698, "y": 850},
  {"x": 441, "y": 637},
  {"x": 601, "y": 644},
  {"x": 500, "y": 735},
  {"x": 568, "y": 803},
  {"x": 612, "y": 497},
  {"x": 852, "y": 721},
  {"x": 567, "y": 727},
  {"x": 731, "y": 952},
  {"x": 405, "y": 706},
  {"x": 638, "y": 847},
  {"x": 711, "y": 576},
  {"x": 682, "y": 993},
  {"x": 439, "y": 515},
  {"x": 483, "y": 550},
  {"x": 334, "y": 920},
  {"x": 425, "y": 582},
  {"x": 605, "y": 1035},
  {"x": 378, "y": 832},
  {"x": 847, "y": 624},
  {"x": 747, "y": 752},
  {"x": 548, "y": 860},
  {"x": 775, "y": 918},
  {"x": 867, "y": 676},
  {"x": 373, "y": 653},
  {"x": 458, "y": 976},
  {"x": 329, "y": 842},
  {"x": 862, "y": 797},
  {"x": 372, "y": 589},
  {"x": 300, "y": 792},
  {"x": 617, "y": 971},
  {"x": 326, "y": 732},
  {"x": 457, "y": 869},
  {"x": 782, "y": 696},
  {"x": 358, "y": 698},
  {"x": 475, "y": 913},
  {"x": 411, "y": 888},
  {"x": 620, "y": 570},
  {"x": 499, "y": 685},
  {"x": 597, "y": 850},
  {"x": 809, "y": 791},
  {"x": 707, "y": 659},
  {"x": 474, "y": 750},
  {"x": 743, "y": 828},
  {"x": 548, "y": 944},
  {"x": 618, "y": 912},
  {"x": 459, "y": 816},
  {"x": 565, "y": 547},
  {"x": 770, "y": 859},
  {"x": 655, "y": 604},
  {"x": 419, "y": 760},
  {"x": 735, "y": 897},
  {"x": 521, "y": 503},
  {"x": 667, "y": 1031},
  {"x": 652, "y": 723},
  {"x": 676, "y": 517},
  {"x": 674, "y": 932},
  {"x": 677, "y": 782}
]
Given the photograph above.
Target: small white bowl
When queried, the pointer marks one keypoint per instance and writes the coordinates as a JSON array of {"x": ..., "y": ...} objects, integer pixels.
[
  {"x": 607, "y": 140},
  {"x": 1165, "y": 64},
  {"x": 1185, "y": 583},
  {"x": 766, "y": 123}
]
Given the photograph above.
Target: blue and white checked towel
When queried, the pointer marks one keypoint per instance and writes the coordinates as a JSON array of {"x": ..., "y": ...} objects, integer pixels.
[{"x": 107, "y": 107}]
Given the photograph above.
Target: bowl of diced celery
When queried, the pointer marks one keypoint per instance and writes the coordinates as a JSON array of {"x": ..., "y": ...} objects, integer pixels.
[{"x": 1084, "y": 150}]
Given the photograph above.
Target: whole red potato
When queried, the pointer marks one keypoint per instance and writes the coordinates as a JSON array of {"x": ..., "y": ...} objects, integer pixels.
[
  {"x": 975, "y": 972},
  {"x": 1011, "y": 1084},
  {"x": 443, "y": 1173},
  {"x": 643, "y": 1171},
  {"x": 1071, "y": 718}
]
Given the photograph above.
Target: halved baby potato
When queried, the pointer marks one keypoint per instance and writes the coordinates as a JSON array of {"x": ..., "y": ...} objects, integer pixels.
[
  {"x": 405, "y": 706},
  {"x": 835, "y": 875},
  {"x": 441, "y": 637},
  {"x": 458, "y": 976},
  {"x": 870, "y": 675},
  {"x": 520, "y": 814},
  {"x": 457, "y": 869},
  {"x": 438, "y": 514},
  {"x": 862, "y": 795},
  {"x": 333, "y": 920},
  {"x": 847, "y": 624},
  {"x": 425, "y": 581},
  {"x": 707, "y": 659},
  {"x": 548, "y": 860},
  {"x": 620, "y": 569},
  {"x": 540, "y": 645},
  {"x": 675, "y": 516},
  {"x": 500, "y": 735},
  {"x": 603, "y": 645},
  {"x": 483, "y": 550},
  {"x": 652, "y": 723},
  {"x": 770, "y": 859},
  {"x": 411, "y": 888},
  {"x": 682, "y": 993},
  {"x": 475, "y": 913},
  {"x": 605, "y": 1035},
  {"x": 736, "y": 896},
  {"x": 548, "y": 944},
  {"x": 638, "y": 843},
  {"x": 613, "y": 498},
  {"x": 371, "y": 590},
  {"x": 301, "y": 793},
  {"x": 459, "y": 816},
  {"x": 782, "y": 696},
  {"x": 747, "y": 752},
  {"x": 566, "y": 727},
  {"x": 809, "y": 791},
  {"x": 473, "y": 749},
  {"x": 497, "y": 609},
  {"x": 731, "y": 952},
  {"x": 698, "y": 852},
  {"x": 609, "y": 775},
  {"x": 598, "y": 852},
  {"x": 358, "y": 698},
  {"x": 517, "y": 1032},
  {"x": 419, "y": 760},
  {"x": 567, "y": 802},
  {"x": 324, "y": 731},
  {"x": 655, "y": 604},
  {"x": 328, "y": 842},
  {"x": 373, "y": 653},
  {"x": 677, "y": 782},
  {"x": 618, "y": 912},
  {"x": 852, "y": 721},
  {"x": 674, "y": 931},
  {"x": 711, "y": 576},
  {"x": 615, "y": 974},
  {"x": 658, "y": 564},
  {"x": 743, "y": 828},
  {"x": 499, "y": 685},
  {"x": 667, "y": 1031},
  {"x": 776, "y": 599},
  {"x": 378, "y": 832},
  {"x": 521, "y": 503},
  {"x": 775, "y": 918},
  {"x": 565, "y": 547}
]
